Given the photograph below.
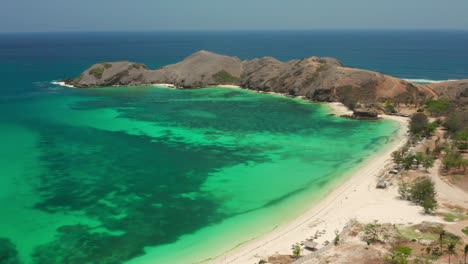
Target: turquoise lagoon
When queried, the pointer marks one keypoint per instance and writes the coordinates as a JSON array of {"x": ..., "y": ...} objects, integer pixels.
[{"x": 157, "y": 175}]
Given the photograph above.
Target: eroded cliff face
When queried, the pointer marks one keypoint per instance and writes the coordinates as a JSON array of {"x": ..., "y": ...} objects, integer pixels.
[{"x": 319, "y": 79}]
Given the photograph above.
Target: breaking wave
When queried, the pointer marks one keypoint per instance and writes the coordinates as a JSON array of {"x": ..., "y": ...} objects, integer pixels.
[{"x": 425, "y": 81}]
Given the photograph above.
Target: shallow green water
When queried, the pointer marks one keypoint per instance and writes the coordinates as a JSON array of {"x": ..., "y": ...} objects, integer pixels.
[{"x": 107, "y": 175}]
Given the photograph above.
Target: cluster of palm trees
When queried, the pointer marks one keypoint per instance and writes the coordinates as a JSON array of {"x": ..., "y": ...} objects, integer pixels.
[{"x": 451, "y": 247}]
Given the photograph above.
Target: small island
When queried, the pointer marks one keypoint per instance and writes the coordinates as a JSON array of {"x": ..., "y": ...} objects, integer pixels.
[{"x": 316, "y": 79}]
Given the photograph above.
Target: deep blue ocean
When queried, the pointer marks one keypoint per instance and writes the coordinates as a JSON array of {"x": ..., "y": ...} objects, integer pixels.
[{"x": 26, "y": 60}]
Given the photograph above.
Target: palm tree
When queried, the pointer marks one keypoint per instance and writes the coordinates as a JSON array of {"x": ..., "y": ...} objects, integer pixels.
[
  {"x": 451, "y": 249},
  {"x": 466, "y": 251},
  {"x": 428, "y": 250},
  {"x": 441, "y": 238}
]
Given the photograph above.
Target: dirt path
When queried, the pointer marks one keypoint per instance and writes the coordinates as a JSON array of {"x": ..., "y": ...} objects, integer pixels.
[{"x": 447, "y": 193}]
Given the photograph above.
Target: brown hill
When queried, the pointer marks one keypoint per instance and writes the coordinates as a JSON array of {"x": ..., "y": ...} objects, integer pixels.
[
  {"x": 456, "y": 91},
  {"x": 319, "y": 79}
]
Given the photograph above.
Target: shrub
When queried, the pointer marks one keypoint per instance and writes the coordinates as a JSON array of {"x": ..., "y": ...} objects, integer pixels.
[
  {"x": 456, "y": 121},
  {"x": 297, "y": 251},
  {"x": 389, "y": 108},
  {"x": 419, "y": 124},
  {"x": 97, "y": 72},
  {"x": 223, "y": 77},
  {"x": 420, "y": 191},
  {"x": 461, "y": 138},
  {"x": 405, "y": 250},
  {"x": 449, "y": 218},
  {"x": 398, "y": 256},
  {"x": 438, "y": 107},
  {"x": 404, "y": 189},
  {"x": 428, "y": 161},
  {"x": 465, "y": 230},
  {"x": 374, "y": 231},
  {"x": 347, "y": 98},
  {"x": 452, "y": 159},
  {"x": 106, "y": 65}
]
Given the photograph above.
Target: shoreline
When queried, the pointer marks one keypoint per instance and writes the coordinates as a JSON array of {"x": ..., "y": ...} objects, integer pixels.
[
  {"x": 170, "y": 85},
  {"x": 354, "y": 197},
  {"x": 339, "y": 109}
]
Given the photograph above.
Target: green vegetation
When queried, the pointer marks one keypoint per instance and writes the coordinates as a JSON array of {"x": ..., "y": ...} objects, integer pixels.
[
  {"x": 408, "y": 160},
  {"x": 409, "y": 233},
  {"x": 454, "y": 216},
  {"x": 223, "y": 77},
  {"x": 347, "y": 98},
  {"x": 461, "y": 139},
  {"x": 420, "y": 191},
  {"x": 457, "y": 127},
  {"x": 465, "y": 230},
  {"x": 439, "y": 107},
  {"x": 441, "y": 243},
  {"x": 456, "y": 122},
  {"x": 336, "y": 240},
  {"x": 399, "y": 256},
  {"x": 449, "y": 217},
  {"x": 404, "y": 250},
  {"x": 451, "y": 249},
  {"x": 453, "y": 159},
  {"x": 106, "y": 65},
  {"x": 97, "y": 72},
  {"x": 420, "y": 126},
  {"x": 428, "y": 162},
  {"x": 465, "y": 251},
  {"x": 262, "y": 261},
  {"x": 296, "y": 251},
  {"x": 312, "y": 78},
  {"x": 375, "y": 231},
  {"x": 389, "y": 108}
]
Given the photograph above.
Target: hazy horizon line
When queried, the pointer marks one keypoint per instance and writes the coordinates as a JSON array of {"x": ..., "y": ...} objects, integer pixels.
[{"x": 241, "y": 30}]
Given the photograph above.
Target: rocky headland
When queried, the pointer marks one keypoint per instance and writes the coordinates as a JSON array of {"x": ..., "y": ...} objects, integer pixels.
[{"x": 314, "y": 78}]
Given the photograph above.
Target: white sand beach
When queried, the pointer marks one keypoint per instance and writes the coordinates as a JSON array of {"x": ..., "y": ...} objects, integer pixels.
[
  {"x": 165, "y": 85},
  {"x": 357, "y": 198},
  {"x": 228, "y": 86}
]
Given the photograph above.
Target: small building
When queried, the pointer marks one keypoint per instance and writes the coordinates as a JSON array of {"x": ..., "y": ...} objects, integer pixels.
[
  {"x": 310, "y": 245},
  {"x": 381, "y": 184}
]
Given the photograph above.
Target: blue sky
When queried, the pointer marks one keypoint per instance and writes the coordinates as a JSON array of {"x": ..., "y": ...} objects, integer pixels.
[{"x": 148, "y": 15}]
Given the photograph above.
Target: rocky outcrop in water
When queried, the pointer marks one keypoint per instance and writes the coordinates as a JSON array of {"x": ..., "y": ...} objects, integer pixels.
[
  {"x": 318, "y": 79},
  {"x": 365, "y": 113}
]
